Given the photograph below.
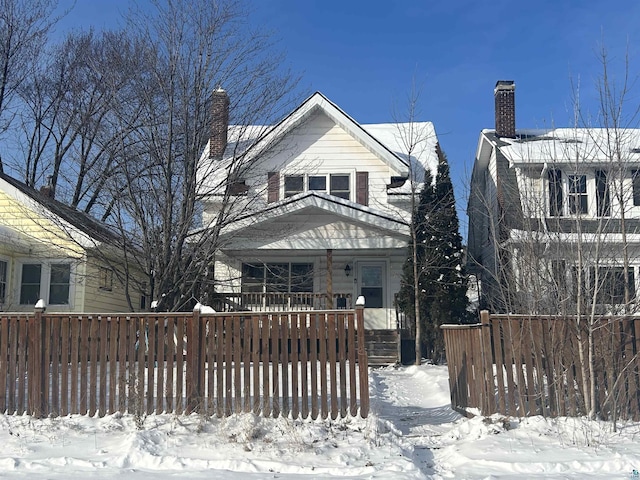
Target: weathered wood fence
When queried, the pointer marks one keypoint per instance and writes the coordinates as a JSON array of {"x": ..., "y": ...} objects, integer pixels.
[
  {"x": 539, "y": 365},
  {"x": 296, "y": 363}
]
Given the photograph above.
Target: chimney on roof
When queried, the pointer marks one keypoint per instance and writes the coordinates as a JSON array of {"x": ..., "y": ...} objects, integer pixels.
[
  {"x": 505, "y": 95},
  {"x": 219, "y": 123},
  {"x": 47, "y": 190}
]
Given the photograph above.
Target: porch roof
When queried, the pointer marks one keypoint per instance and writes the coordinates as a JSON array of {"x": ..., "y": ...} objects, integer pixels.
[{"x": 325, "y": 203}]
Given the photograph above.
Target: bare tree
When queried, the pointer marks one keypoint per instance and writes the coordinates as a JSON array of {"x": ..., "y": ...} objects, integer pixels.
[
  {"x": 24, "y": 25},
  {"x": 194, "y": 49}
]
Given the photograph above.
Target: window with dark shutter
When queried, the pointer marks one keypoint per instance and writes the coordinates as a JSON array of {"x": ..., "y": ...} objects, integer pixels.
[
  {"x": 362, "y": 188},
  {"x": 603, "y": 200},
  {"x": 555, "y": 193},
  {"x": 273, "y": 187}
]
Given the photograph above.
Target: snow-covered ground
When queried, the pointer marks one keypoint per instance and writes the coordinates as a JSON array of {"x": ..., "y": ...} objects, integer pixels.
[{"x": 411, "y": 434}]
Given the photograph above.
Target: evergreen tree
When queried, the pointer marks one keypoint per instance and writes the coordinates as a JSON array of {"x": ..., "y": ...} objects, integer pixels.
[{"x": 438, "y": 255}]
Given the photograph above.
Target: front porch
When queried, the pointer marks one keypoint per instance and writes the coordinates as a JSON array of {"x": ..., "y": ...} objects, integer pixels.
[
  {"x": 383, "y": 346},
  {"x": 280, "y": 302}
]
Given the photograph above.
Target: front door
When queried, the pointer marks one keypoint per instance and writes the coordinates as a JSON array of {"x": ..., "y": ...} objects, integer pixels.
[
  {"x": 372, "y": 283},
  {"x": 372, "y": 286}
]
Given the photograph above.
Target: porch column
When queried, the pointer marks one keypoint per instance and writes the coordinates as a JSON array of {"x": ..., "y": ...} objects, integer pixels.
[{"x": 329, "y": 278}]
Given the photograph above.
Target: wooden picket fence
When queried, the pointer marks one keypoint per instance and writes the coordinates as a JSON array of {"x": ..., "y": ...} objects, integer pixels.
[
  {"x": 531, "y": 365},
  {"x": 288, "y": 363}
]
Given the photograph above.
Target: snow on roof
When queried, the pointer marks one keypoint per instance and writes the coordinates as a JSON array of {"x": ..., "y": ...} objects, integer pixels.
[
  {"x": 568, "y": 145},
  {"x": 398, "y": 137},
  {"x": 391, "y": 141}
]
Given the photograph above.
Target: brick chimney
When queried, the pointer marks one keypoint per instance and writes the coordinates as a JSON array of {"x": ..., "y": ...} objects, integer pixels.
[
  {"x": 219, "y": 123},
  {"x": 505, "y": 95},
  {"x": 47, "y": 189}
]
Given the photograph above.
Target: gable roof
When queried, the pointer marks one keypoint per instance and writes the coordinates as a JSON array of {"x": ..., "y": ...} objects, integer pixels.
[
  {"x": 318, "y": 101},
  {"x": 83, "y": 228},
  {"x": 326, "y": 203},
  {"x": 388, "y": 141}
]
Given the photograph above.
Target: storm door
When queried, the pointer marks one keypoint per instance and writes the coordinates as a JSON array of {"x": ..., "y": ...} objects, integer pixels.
[{"x": 371, "y": 283}]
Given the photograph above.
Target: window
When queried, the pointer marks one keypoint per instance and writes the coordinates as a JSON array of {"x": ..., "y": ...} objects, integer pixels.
[
  {"x": 340, "y": 186},
  {"x": 636, "y": 187},
  {"x": 609, "y": 283},
  {"x": 30, "y": 285},
  {"x": 318, "y": 183},
  {"x": 3, "y": 281},
  {"x": 59, "y": 284},
  {"x": 293, "y": 184},
  {"x": 277, "y": 277},
  {"x": 106, "y": 279},
  {"x": 38, "y": 279},
  {"x": 555, "y": 193},
  {"x": 577, "y": 194},
  {"x": 603, "y": 201}
]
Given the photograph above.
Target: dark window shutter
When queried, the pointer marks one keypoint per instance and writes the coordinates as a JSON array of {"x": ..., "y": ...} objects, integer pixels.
[
  {"x": 362, "y": 188},
  {"x": 273, "y": 187}
]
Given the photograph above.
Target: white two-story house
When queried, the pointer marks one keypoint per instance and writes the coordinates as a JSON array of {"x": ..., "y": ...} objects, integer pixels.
[
  {"x": 316, "y": 211},
  {"x": 554, "y": 216}
]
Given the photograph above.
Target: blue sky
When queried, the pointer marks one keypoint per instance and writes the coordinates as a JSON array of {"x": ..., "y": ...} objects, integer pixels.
[{"x": 364, "y": 55}]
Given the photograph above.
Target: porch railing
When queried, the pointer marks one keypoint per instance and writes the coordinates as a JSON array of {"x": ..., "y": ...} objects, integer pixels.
[{"x": 279, "y": 302}]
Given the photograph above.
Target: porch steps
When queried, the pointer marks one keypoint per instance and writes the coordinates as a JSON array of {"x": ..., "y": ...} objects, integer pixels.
[{"x": 382, "y": 347}]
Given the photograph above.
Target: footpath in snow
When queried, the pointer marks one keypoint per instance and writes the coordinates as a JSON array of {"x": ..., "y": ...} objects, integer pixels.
[{"x": 412, "y": 433}]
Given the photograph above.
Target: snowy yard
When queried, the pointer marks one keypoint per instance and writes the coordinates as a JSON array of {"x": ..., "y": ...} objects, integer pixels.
[{"x": 412, "y": 433}]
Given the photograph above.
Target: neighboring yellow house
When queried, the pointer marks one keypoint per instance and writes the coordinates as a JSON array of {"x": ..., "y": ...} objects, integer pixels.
[{"x": 52, "y": 252}]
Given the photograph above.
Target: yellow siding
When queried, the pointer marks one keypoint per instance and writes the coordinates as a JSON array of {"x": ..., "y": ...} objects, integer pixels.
[
  {"x": 98, "y": 299},
  {"x": 34, "y": 237},
  {"x": 48, "y": 237}
]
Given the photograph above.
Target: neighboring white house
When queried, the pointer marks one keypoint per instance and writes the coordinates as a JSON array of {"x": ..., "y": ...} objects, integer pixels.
[
  {"x": 551, "y": 210},
  {"x": 320, "y": 211}
]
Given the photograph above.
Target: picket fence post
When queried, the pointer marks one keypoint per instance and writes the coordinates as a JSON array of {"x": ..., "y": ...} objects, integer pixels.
[
  {"x": 194, "y": 361},
  {"x": 363, "y": 363},
  {"x": 37, "y": 352}
]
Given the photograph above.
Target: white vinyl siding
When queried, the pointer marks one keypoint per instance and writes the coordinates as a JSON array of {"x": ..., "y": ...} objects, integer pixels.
[{"x": 318, "y": 149}]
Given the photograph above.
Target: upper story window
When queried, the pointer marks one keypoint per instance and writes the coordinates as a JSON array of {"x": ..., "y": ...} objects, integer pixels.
[
  {"x": 318, "y": 183},
  {"x": 293, "y": 184},
  {"x": 577, "y": 194},
  {"x": 636, "y": 187},
  {"x": 339, "y": 184},
  {"x": 555, "y": 193},
  {"x": 603, "y": 201}
]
